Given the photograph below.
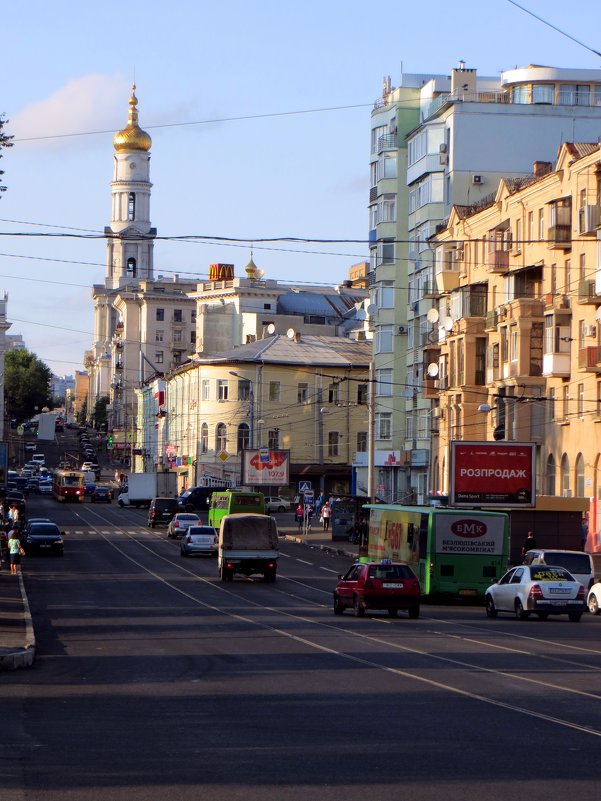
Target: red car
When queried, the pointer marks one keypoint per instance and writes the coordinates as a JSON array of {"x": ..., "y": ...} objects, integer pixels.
[{"x": 378, "y": 585}]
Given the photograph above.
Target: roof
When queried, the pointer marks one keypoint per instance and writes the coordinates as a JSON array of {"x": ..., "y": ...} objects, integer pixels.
[
  {"x": 306, "y": 350},
  {"x": 332, "y": 304}
]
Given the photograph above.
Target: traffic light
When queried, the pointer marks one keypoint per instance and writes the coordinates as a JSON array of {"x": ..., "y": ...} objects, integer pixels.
[{"x": 110, "y": 440}]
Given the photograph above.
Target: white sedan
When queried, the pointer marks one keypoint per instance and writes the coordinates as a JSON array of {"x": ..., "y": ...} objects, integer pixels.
[
  {"x": 594, "y": 599},
  {"x": 540, "y": 589},
  {"x": 276, "y": 504}
]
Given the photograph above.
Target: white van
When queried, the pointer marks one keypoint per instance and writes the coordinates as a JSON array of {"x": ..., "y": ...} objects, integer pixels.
[
  {"x": 578, "y": 563},
  {"x": 39, "y": 459}
]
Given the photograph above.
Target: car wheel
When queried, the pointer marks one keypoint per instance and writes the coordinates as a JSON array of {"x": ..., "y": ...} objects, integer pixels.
[
  {"x": 574, "y": 617},
  {"x": 393, "y": 612},
  {"x": 281, "y": 508},
  {"x": 121, "y": 504},
  {"x": 338, "y": 607},
  {"x": 358, "y": 606},
  {"x": 491, "y": 609},
  {"x": 414, "y": 612},
  {"x": 593, "y": 605},
  {"x": 520, "y": 612}
]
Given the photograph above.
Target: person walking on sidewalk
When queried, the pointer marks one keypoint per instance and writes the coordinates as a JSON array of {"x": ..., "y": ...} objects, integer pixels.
[
  {"x": 15, "y": 551},
  {"x": 325, "y": 515}
]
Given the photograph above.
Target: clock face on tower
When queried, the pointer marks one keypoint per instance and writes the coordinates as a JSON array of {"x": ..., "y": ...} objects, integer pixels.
[{"x": 132, "y": 165}]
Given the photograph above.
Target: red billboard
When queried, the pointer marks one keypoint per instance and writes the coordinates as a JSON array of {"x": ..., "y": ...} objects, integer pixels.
[
  {"x": 492, "y": 474},
  {"x": 263, "y": 467}
]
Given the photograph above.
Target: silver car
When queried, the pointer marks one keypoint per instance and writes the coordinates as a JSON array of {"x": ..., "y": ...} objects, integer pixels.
[
  {"x": 180, "y": 524},
  {"x": 200, "y": 540}
]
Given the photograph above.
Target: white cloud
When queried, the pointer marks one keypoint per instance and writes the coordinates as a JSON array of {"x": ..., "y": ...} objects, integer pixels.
[{"x": 91, "y": 103}]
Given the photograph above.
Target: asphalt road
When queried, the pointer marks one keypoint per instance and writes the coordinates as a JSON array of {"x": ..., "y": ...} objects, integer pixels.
[{"x": 153, "y": 680}]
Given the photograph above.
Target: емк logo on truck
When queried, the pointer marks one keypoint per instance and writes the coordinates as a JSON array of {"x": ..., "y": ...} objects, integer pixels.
[{"x": 469, "y": 528}]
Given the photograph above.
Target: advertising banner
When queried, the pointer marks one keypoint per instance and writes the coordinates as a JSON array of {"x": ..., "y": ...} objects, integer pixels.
[
  {"x": 470, "y": 534},
  {"x": 492, "y": 474},
  {"x": 259, "y": 471}
]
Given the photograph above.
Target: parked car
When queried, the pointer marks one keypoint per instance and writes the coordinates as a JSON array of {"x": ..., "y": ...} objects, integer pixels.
[
  {"x": 43, "y": 538},
  {"x": 276, "y": 504},
  {"x": 180, "y": 524},
  {"x": 161, "y": 511},
  {"x": 540, "y": 589},
  {"x": 102, "y": 493},
  {"x": 31, "y": 446},
  {"x": 378, "y": 585},
  {"x": 200, "y": 540},
  {"x": 578, "y": 563},
  {"x": 593, "y": 600},
  {"x": 123, "y": 498}
]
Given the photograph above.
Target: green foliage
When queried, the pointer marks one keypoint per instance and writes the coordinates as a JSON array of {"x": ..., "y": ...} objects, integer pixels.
[
  {"x": 82, "y": 414},
  {"x": 5, "y": 141},
  {"x": 26, "y": 384},
  {"x": 100, "y": 415}
]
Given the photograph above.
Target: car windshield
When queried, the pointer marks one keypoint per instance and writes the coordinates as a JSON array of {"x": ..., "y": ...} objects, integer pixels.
[
  {"x": 542, "y": 573},
  {"x": 390, "y": 572},
  {"x": 201, "y": 530},
  {"x": 42, "y": 529},
  {"x": 574, "y": 562}
]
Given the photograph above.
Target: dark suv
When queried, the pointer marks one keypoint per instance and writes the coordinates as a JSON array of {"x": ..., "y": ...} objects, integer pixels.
[{"x": 161, "y": 511}]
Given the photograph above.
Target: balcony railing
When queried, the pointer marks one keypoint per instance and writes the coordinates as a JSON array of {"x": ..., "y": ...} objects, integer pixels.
[
  {"x": 559, "y": 236},
  {"x": 387, "y": 142},
  {"x": 589, "y": 359},
  {"x": 498, "y": 261},
  {"x": 587, "y": 293}
]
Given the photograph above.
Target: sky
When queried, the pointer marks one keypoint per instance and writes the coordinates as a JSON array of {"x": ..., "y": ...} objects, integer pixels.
[{"x": 262, "y": 114}]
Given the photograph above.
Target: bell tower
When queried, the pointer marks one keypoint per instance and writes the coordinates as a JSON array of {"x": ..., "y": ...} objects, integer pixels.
[{"x": 130, "y": 236}]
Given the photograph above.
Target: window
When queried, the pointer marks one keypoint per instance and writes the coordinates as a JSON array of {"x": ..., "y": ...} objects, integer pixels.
[
  {"x": 178, "y": 316},
  {"x": 222, "y": 389},
  {"x": 192, "y": 337},
  {"x": 159, "y": 336},
  {"x": 158, "y": 357},
  {"x": 177, "y": 336},
  {"x": 204, "y": 438},
  {"x": 334, "y": 392},
  {"x": 566, "y": 276},
  {"x": 384, "y": 382},
  {"x": 565, "y": 401},
  {"x": 385, "y": 252},
  {"x": 551, "y": 409},
  {"x": 131, "y": 267},
  {"x": 384, "y": 425},
  {"x": 205, "y": 392},
  {"x": 480, "y": 371},
  {"x": 541, "y": 225},
  {"x": 160, "y": 315},
  {"x": 302, "y": 395},
  {"x": 550, "y": 478},
  {"x": 520, "y": 94},
  {"x": 386, "y": 167},
  {"x": 582, "y": 268},
  {"x": 177, "y": 357},
  {"x": 220, "y": 437},
  {"x": 274, "y": 391},
  {"x": 460, "y": 362},
  {"x": 387, "y": 208},
  {"x": 581, "y": 400},
  {"x": 373, "y": 216},
  {"x": 361, "y": 441},
  {"x": 362, "y": 394},
  {"x": 273, "y": 439},
  {"x": 513, "y": 344},
  {"x": 384, "y": 339},
  {"x": 504, "y": 347},
  {"x": 244, "y": 389},
  {"x": 518, "y": 236},
  {"x": 376, "y": 133},
  {"x": 579, "y": 476},
  {"x": 385, "y": 295},
  {"x": 131, "y": 206},
  {"x": 530, "y": 226},
  {"x": 409, "y": 426},
  {"x": 565, "y": 475},
  {"x": 193, "y": 316},
  {"x": 543, "y": 93},
  {"x": 243, "y": 437},
  {"x": 333, "y": 443}
]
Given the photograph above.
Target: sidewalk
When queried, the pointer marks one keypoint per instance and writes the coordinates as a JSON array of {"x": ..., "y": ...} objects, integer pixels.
[
  {"x": 317, "y": 538},
  {"x": 17, "y": 639}
]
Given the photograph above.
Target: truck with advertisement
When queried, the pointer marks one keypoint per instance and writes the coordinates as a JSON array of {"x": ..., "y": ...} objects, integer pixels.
[
  {"x": 455, "y": 552},
  {"x": 143, "y": 487},
  {"x": 248, "y": 544}
]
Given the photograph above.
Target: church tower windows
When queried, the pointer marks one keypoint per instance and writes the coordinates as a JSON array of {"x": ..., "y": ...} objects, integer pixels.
[{"x": 131, "y": 206}]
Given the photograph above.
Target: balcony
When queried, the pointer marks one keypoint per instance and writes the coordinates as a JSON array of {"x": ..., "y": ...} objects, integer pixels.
[
  {"x": 588, "y": 220},
  {"x": 492, "y": 319},
  {"x": 387, "y": 142},
  {"x": 559, "y": 236},
  {"x": 118, "y": 365},
  {"x": 498, "y": 261},
  {"x": 557, "y": 364},
  {"x": 587, "y": 293},
  {"x": 560, "y": 304},
  {"x": 589, "y": 359}
]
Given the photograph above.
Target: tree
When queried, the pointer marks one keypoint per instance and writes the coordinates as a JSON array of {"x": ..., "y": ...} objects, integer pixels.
[
  {"x": 100, "y": 413},
  {"x": 82, "y": 414},
  {"x": 26, "y": 384},
  {"x": 5, "y": 141}
]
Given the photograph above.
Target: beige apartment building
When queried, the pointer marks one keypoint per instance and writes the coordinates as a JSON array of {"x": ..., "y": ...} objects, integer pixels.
[{"x": 514, "y": 349}]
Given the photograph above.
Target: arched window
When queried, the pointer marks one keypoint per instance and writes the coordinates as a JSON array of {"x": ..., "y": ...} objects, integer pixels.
[
  {"x": 551, "y": 475},
  {"x": 204, "y": 438},
  {"x": 131, "y": 267},
  {"x": 131, "y": 206},
  {"x": 243, "y": 439},
  {"x": 220, "y": 437},
  {"x": 565, "y": 475},
  {"x": 579, "y": 476}
]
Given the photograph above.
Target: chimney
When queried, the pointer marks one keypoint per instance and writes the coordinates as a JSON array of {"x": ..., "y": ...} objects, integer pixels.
[
  {"x": 463, "y": 81},
  {"x": 297, "y": 336},
  {"x": 540, "y": 168}
]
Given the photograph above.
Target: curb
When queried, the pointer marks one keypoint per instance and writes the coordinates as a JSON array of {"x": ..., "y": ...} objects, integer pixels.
[
  {"x": 25, "y": 656},
  {"x": 320, "y": 546}
]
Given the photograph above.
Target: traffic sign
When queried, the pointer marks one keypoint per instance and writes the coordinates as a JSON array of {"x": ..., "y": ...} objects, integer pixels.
[
  {"x": 308, "y": 497},
  {"x": 305, "y": 486},
  {"x": 20, "y": 430}
]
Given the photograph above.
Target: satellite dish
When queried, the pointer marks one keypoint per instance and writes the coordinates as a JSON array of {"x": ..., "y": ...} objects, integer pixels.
[
  {"x": 432, "y": 370},
  {"x": 446, "y": 323},
  {"x": 361, "y": 314},
  {"x": 433, "y": 316},
  {"x": 291, "y": 333},
  {"x": 259, "y": 273},
  {"x": 271, "y": 328},
  {"x": 371, "y": 310}
]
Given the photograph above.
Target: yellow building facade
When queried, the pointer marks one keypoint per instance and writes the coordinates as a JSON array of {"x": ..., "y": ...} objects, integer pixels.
[{"x": 514, "y": 349}]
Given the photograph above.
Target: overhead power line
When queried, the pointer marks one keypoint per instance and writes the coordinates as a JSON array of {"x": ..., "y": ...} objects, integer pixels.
[{"x": 555, "y": 28}]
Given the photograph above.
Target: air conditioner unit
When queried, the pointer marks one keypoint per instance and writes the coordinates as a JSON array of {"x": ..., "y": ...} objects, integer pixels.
[
  {"x": 402, "y": 329},
  {"x": 567, "y": 493},
  {"x": 458, "y": 254},
  {"x": 477, "y": 179},
  {"x": 443, "y": 148},
  {"x": 590, "y": 330},
  {"x": 444, "y": 159},
  {"x": 436, "y": 412}
]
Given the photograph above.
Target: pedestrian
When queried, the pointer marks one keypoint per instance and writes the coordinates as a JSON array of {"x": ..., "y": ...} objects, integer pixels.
[
  {"x": 529, "y": 543},
  {"x": 310, "y": 513},
  {"x": 325, "y": 515},
  {"x": 299, "y": 516},
  {"x": 15, "y": 551}
]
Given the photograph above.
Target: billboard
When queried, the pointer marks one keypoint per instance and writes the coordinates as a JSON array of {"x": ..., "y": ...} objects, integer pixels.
[
  {"x": 263, "y": 467},
  {"x": 492, "y": 474},
  {"x": 47, "y": 426}
]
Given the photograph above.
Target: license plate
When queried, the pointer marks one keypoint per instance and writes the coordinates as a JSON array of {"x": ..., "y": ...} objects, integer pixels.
[
  {"x": 467, "y": 592},
  {"x": 44, "y": 546},
  {"x": 392, "y": 586},
  {"x": 558, "y": 591}
]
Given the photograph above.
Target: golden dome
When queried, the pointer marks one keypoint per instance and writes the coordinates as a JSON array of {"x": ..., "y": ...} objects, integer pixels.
[
  {"x": 132, "y": 137},
  {"x": 251, "y": 268}
]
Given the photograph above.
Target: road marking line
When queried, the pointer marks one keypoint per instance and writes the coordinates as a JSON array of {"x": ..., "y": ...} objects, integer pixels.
[
  {"x": 304, "y": 563},
  {"x": 329, "y": 570}
]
